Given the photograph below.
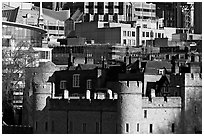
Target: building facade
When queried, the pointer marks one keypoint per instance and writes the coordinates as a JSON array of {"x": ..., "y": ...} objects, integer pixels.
[
  {"x": 130, "y": 112},
  {"x": 28, "y": 14}
]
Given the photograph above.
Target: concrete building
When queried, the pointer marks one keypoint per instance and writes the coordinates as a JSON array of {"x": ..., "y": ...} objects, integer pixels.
[
  {"x": 143, "y": 11},
  {"x": 134, "y": 34}
]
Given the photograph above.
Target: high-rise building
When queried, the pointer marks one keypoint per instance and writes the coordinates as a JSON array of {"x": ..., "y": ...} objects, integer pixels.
[{"x": 198, "y": 17}]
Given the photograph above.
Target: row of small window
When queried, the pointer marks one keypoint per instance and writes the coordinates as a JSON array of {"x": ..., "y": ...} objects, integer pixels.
[
  {"x": 75, "y": 82},
  {"x": 54, "y": 27},
  {"x": 151, "y": 17},
  {"x": 129, "y": 41},
  {"x": 149, "y": 34},
  {"x": 145, "y": 10},
  {"x": 129, "y": 33},
  {"x": 127, "y": 128}
]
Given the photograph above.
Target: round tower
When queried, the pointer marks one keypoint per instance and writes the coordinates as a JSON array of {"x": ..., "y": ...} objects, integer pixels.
[
  {"x": 40, "y": 84},
  {"x": 129, "y": 107}
]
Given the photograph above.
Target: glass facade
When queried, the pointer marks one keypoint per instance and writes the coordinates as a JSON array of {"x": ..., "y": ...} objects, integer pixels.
[{"x": 20, "y": 34}]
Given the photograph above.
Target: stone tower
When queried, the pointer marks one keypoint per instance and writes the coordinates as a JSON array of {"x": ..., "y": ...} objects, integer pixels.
[
  {"x": 41, "y": 86},
  {"x": 129, "y": 106},
  {"x": 37, "y": 90}
]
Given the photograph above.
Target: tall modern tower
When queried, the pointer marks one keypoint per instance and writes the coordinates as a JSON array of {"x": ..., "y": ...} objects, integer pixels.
[{"x": 198, "y": 17}]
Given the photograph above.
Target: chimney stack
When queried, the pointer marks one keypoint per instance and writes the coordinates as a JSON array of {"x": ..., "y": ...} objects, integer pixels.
[{"x": 88, "y": 94}]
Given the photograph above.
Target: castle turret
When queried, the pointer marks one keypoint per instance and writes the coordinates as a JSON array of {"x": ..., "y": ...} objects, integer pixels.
[
  {"x": 42, "y": 88},
  {"x": 129, "y": 106},
  {"x": 37, "y": 90}
]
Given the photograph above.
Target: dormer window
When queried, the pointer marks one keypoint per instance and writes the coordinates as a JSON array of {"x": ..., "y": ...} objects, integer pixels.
[{"x": 161, "y": 71}]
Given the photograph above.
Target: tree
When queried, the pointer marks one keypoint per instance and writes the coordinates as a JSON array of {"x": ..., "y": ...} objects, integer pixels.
[{"x": 14, "y": 61}]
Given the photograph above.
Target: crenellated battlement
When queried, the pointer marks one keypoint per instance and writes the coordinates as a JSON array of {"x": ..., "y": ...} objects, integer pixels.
[
  {"x": 131, "y": 87},
  {"x": 193, "y": 79},
  {"x": 161, "y": 102}
]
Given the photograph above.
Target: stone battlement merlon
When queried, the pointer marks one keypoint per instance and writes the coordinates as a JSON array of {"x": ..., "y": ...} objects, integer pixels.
[
  {"x": 161, "y": 102},
  {"x": 193, "y": 79},
  {"x": 131, "y": 86}
]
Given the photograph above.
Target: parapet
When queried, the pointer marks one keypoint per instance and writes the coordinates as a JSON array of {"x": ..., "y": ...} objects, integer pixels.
[
  {"x": 83, "y": 104},
  {"x": 193, "y": 79},
  {"x": 161, "y": 102},
  {"x": 130, "y": 87}
]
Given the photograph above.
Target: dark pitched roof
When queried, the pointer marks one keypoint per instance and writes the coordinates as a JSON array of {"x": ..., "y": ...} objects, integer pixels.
[{"x": 153, "y": 66}]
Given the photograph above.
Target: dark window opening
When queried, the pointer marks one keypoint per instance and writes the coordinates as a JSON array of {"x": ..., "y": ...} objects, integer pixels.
[
  {"x": 138, "y": 127},
  {"x": 84, "y": 127},
  {"x": 173, "y": 127},
  {"x": 46, "y": 126},
  {"x": 145, "y": 113},
  {"x": 127, "y": 127},
  {"x": 150, "y": 128}
]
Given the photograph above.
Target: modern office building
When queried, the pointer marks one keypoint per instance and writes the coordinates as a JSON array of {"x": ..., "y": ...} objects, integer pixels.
[
  {"x": 143, "y": 11},
  {"x": 27, "y": 13},
  {"x": 197, "y": 17}
]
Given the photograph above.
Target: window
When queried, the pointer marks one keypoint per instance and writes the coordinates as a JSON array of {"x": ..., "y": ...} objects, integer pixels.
[
  {"x": 144, "y": 25},
  {"x": 71, "y": 127},
  {"x": 173, "y": 127},
  {"x": 44, "y": 55},
  {"x": 88, "y": 84},
  {"x": 129, "y": 41},
  {"x": 133, "y": 33},
  {"x": 143, "y": 42},
  {"x": 150, "y": 128},
  {"x": 138, "y": 127},
  {"x": 162, "y": 35},
  {"x": 127, "y": 127},
  {"x": 46, "y": 126},
  {"x": 147, "y": 34},
  {"x": 145, "y": 113},
  {"x": 133, "y": 42},
  {"x": 129, "y": 33},
  {"x": 124, "y": 41},
  {"x": 97, "y": 128},
  {"x": 143, "y": 34},
  {"x": 36, "y": 125},
  {"x": 53, "y": 126},
  {"x": 167, "y": 57},
  {"x": 63, "y": 84},
  {"x": 76, "y": 80},
  {"x": 155, "y": 35},
  {"x": 84, "y": 127},
  {"x": 124, "y": 33},
  {"x": 159, "y": 35}
]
